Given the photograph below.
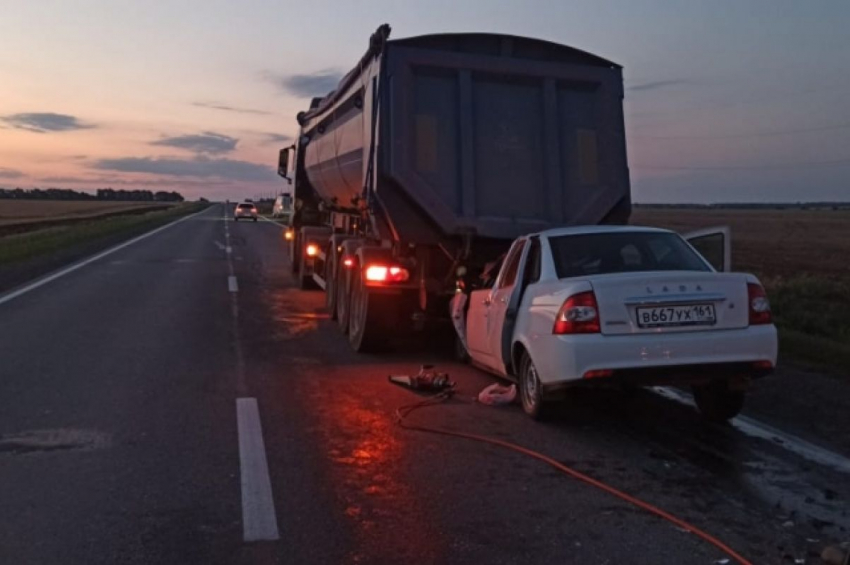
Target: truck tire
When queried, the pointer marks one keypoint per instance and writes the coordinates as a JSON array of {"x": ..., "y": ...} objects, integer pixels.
[
  {"x": 304, "y": 282},
  {"x": 294, "y": 255},
  {"x": 369, "y": 313},
  {"x": 343, "y": 299},
  {"x": 331, "y": 259},
  {"x": 717, "y": 402}
]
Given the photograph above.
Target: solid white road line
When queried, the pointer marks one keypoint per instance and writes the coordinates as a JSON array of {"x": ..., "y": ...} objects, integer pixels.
[
  {"x": 754, "y": 428},
  {"x": 67, "y": 270},
  {"x": 232, "y": 285},
  {"x": 259, "y": 521}
]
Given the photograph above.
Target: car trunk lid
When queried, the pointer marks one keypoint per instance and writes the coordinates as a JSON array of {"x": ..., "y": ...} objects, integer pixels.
[{"x": 666, "y": 302}]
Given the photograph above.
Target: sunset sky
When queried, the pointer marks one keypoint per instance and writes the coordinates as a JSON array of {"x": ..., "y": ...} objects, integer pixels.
[{"x": 725, "y": 101}]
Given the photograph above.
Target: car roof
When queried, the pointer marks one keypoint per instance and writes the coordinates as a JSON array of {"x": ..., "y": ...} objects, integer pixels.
[{"x": 585, "y": 230}]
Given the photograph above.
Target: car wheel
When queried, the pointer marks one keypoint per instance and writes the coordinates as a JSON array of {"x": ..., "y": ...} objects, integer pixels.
[
  {"x": 235, "y": 219},
  {"x": 717, "y": 402},
  {"x": 531, "y": 390},
  {"x": 255, "y": 219}
]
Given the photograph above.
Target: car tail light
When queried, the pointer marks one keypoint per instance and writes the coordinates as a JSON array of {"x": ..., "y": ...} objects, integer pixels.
[
  {"x": 312, "y": 250},
  {"x": 348, "y": 262},
  {"x": 386, "y": 273},
  {"x": 759, "y": 305},
  {"x": 598, "y": 373},
  {"x": 578, "y": 315}
]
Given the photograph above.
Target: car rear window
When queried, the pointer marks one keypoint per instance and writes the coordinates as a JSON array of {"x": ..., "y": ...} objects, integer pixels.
[
  {"x": 622, "y": 252},
  {"x": 246, "y": 206}
]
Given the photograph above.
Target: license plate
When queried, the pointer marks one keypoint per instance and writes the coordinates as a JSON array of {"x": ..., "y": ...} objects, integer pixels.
[{"x": 686, "y": 315}]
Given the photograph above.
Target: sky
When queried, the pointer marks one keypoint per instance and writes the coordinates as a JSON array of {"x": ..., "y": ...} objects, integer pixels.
[{"x": 726, "y": 101}]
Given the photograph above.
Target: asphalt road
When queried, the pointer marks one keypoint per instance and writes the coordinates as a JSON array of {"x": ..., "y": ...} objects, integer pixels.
[{"x": 180, "y": 401}]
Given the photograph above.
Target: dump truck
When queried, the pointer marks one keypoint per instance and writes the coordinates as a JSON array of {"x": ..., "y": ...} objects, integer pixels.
[{"x": 435, "y": 152}]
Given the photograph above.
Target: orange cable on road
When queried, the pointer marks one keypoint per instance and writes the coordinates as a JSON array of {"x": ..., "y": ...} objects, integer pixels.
[{"x": 402, "y": 413}]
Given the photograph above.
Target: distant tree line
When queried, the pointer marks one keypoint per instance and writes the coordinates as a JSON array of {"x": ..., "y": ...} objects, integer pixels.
[{"x": 101, "y": 194}]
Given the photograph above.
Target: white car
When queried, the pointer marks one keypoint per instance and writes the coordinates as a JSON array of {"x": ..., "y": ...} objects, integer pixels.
[
  {"x": 245, "y": 211},
  {"x": 623, "y": 306}
]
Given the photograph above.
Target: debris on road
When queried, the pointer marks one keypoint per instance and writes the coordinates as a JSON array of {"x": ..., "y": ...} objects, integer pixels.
[{"x": 497, "y": 395}]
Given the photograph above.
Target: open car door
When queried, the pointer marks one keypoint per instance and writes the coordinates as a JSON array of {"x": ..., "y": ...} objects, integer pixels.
[
  {"x": 504, "y": 303},
  {"x": 714, "y": 244}
]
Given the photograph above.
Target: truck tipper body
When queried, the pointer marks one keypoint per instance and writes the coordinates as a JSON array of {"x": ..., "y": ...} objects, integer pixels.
[{"x": 433, "y": 154}]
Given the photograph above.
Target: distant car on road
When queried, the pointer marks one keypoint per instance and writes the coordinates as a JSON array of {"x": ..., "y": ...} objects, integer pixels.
[
  {"x": 282, "y": 206},
  {"x": 607, "y": 305},
  {"x": 245, "y": 210}
]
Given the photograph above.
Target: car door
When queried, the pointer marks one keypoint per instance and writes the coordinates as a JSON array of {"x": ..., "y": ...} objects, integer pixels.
[
  {"x": 503, "y": 304},
  {"x": 477, "y": 315},
  {"x": 714, "y": 244}
]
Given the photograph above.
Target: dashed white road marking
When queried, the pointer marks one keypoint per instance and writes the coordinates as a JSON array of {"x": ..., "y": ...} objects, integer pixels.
[
  {"x": 259, "y": 521},
  {"x": 232, "y": 284},
  {"x": 754, "y": 428},
  {"x": 67, "y": 270},
  {"x": 228, "y": 249},
  {"x": 219, "y": 244}
]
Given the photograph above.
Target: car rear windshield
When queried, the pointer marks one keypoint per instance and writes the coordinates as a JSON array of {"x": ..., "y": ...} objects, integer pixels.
[
  {"x": 246, "y": 206},
  {"x": 622, "y": 252}
]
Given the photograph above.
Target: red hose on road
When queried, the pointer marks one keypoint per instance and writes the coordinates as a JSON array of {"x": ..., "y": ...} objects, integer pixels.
[{"x": 402, "y": 413}]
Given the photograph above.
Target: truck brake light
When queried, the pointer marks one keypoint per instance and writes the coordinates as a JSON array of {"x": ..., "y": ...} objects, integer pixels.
[
  {"x": 578, "y": 315},
  {"x": 386, "y": 273},
  {"x": 759, "y": 305}
]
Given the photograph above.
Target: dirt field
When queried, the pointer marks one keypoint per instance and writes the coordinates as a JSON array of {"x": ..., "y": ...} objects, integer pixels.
[
  {"x": 771, "y": 243},
  {"x": 27, "y": 211}
]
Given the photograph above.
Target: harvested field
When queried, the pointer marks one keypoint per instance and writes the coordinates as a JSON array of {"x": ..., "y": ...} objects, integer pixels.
[
  {"x": 771, "y": 243},
  {"x": 36, "y": 211}
]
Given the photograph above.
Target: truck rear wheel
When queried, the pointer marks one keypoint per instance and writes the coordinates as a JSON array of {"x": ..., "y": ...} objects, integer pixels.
[
  {"x": 343, "y": 299},
  {"x": 304, "y": 282},
  {"x": 718, "y": 402},
  {"x": 331, "y": 258},
  {"x": 368, "y": 316}
]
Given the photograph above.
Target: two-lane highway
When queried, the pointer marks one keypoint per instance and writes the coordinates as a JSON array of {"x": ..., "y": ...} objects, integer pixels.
[{"x": 180, "y": 401}]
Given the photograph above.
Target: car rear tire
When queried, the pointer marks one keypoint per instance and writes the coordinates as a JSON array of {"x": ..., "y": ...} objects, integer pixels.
[
  {"x": 255, "y": 219},
  {"x": 531, "y": 390},
  {"x": 717, "y": 402}
]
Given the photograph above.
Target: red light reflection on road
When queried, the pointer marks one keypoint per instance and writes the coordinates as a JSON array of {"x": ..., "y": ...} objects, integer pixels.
[{"x": 372, "y": 470}]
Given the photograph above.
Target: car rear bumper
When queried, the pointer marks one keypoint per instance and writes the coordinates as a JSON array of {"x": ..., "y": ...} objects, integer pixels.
[{"x": 655, "y": 359}]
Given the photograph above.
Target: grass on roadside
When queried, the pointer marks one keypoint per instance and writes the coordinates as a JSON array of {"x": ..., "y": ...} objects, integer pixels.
[
  {"x": 20, "y": 247},
  {"x": 813, "y": 317}
]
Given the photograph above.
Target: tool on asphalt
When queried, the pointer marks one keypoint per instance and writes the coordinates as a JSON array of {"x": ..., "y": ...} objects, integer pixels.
[
  {"x": 497, "y": 395},
  {"x": 427, "y": 379},
  {"x": 403, "y": 412}
]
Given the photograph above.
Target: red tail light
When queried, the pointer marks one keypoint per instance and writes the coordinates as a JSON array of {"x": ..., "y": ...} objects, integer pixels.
[
  {"x": 578, "y": 315},
  {"x": 348, "y": 262},
  {"x": 386, "y": 273},
  {"x": 759, "y": 305},
  {"x": 598, "y": 374}
]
